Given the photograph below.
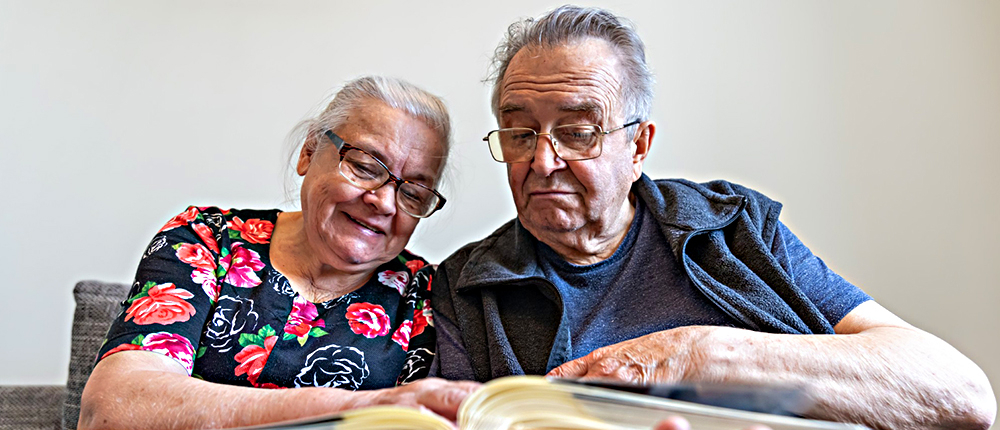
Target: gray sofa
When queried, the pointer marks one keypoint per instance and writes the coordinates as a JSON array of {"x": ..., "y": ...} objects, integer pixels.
[{"x": 58, "y": 407}]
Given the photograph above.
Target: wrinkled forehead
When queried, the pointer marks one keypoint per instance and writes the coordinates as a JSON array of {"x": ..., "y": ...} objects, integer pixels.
[{"x": 581, "y": 75}]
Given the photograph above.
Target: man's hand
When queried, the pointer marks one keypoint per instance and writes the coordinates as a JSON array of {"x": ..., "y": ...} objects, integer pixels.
[{"x": 662, "y": 357}]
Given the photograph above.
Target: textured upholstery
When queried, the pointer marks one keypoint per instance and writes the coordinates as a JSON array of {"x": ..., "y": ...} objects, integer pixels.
[
  {"x": 97, "y": 304},
  {"x": 55, "y": 407},
  {"x": 31, "y": 407}
]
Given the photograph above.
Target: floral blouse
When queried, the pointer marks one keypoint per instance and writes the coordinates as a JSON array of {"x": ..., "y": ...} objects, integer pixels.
[{"x": 206, "y": 295}]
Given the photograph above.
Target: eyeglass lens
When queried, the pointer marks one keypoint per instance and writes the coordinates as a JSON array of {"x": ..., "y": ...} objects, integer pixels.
[
  {"x": 571, "y": 142},
  {"x": 366, "y": 172}
]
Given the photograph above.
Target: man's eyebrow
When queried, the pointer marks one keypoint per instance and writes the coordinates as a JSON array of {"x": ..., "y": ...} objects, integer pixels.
[
  {"x": 586, "y": 107},
  {"x": 510, "y": 107}
]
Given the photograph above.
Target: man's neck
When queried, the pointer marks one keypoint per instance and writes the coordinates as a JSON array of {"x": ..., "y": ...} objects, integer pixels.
[{"x": 594, "y": 242}]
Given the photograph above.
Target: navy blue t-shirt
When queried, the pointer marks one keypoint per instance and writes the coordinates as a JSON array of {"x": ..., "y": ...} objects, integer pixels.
[{"x": 642, "y": 288}]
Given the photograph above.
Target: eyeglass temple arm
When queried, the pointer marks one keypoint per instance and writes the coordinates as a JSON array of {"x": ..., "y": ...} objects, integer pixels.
[
  {"x": 337, "y": 141},
  {"x": 626, "y": 125}
]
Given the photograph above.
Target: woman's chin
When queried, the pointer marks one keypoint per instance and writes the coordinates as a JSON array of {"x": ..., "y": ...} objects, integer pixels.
[{"x": 360, "y": 253}]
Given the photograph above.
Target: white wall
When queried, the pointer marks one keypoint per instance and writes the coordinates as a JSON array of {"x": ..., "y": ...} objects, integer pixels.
[{"x": 877, "y": 123}]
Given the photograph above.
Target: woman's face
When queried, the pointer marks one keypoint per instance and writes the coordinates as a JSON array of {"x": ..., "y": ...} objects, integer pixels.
[{"x": 352, "y": 229}]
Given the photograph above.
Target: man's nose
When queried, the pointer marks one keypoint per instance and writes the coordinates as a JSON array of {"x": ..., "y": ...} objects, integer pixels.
[
  {"x": 546, "y": 160},
  {"x": 383, "y": 199}
]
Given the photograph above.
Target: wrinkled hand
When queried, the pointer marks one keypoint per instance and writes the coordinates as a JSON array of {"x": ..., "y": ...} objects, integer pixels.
[
  {"x": 678, "y": 423},
  {"x": 434, "y": 394},
  {"x": 665, "y": 356}
]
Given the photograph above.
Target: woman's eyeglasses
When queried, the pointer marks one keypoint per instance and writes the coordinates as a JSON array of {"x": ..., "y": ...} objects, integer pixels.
[{"x": 365, "y": 171}]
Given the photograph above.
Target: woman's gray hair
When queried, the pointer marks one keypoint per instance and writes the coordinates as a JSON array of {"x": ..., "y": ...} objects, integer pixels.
[
  {"x": 573, "y": 23},
  {"x": 395, "y": 93}
]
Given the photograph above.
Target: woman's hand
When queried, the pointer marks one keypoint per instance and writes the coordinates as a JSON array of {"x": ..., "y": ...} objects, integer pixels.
[
  {"x": 434, "y": 394},
  {"x": 678, "y": 423}
]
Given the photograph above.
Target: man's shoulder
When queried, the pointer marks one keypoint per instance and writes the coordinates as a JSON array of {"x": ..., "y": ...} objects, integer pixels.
[
  {"x": 711, "y": 189},
  {"x": 698, "y": 204}
]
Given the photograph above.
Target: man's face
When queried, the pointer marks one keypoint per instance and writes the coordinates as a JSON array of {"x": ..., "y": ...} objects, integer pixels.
[{"x": 575, "y": 83}]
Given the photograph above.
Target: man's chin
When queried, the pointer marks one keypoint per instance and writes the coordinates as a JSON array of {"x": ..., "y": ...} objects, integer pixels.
[{"x": 557, "y": 223}]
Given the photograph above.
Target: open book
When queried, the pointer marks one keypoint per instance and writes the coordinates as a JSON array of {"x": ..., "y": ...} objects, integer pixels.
[{"x": 533, "y": 402}]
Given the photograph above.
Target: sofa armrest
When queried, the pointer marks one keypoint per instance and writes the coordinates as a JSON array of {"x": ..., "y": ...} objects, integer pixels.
[
  {"x": 31, "y": 406},
  {"x": 97, "y": 305}
]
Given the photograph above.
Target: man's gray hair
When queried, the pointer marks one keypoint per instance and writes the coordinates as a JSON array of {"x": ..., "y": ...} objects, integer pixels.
[{"x": 568, "y": 24}]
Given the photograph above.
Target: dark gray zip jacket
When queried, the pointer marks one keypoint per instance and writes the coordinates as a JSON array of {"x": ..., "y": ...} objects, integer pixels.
[{"x": 490, "y": 299}]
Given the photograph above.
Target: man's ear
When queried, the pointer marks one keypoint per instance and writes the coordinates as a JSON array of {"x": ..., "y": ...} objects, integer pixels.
[
  {"x": 305, "y": 156},
  {"x": 643, "y": 142}
]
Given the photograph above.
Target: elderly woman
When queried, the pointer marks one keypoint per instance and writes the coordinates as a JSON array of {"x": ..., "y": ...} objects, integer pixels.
[{"x": 227, "y": 303}]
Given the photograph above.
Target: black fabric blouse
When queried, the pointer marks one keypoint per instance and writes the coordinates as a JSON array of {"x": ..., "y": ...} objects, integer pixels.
[{"x": 207, "y": 296}]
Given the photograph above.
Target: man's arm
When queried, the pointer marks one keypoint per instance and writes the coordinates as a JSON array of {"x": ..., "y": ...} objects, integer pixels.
[
  {"x": 878, "y": 370},
  {"x": 139, "y": 389}
]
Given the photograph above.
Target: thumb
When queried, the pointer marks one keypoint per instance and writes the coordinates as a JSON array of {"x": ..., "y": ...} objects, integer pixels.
[{"x": 571, "y": 369}]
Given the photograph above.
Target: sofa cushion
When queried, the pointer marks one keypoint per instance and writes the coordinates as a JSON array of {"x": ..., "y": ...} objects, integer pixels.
[
  {"x": 97, "y": 305},
  {"x": 31, "y": 407}
]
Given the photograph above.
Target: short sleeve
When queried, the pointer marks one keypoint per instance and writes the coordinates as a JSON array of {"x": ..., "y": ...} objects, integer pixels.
[
  {"x": 175, "y": 287},
  {"x": 831, "y": 293}
]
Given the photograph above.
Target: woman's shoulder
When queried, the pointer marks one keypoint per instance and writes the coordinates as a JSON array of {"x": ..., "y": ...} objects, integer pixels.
[
  {"x": 406, "y": 256},
  {"x": 250, "y": 222}
]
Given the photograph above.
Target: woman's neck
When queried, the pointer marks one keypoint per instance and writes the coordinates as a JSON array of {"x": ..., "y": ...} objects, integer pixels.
[{"x": 292, "y": 256}]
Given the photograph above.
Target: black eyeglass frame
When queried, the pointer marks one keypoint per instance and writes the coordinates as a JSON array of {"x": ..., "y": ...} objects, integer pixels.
[
  {"x": 343, "y": 147},
  {"x": 600, "y": 141}
]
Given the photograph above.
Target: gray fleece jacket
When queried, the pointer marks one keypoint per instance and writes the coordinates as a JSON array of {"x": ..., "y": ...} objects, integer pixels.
[{"x": 490, "y": 299}]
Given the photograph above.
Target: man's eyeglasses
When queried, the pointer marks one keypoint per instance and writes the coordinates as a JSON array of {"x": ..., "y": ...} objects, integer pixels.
[
  {"x": 367, "y": 172},
  {"x": 571, "y": 142}
]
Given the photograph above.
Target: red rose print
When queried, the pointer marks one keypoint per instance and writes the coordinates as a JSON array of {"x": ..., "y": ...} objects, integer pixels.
[
  {"x": 253, "y": 230},
  {"x": 205, "y": 234},
  {"x": 395, "y": 280},
  {"x": 120, "y": 348},
  {"x": 179, "y": 220},
  {"x": 302, "y": 319},
  {"x": 402, "y": 334},
  {"x": 270, "y": 386},
  {"x": 253, "y": 358},
  {"x": 209, "y": 284},
  {"x": 197, "y": 255},
  {"x": 164, "y": 304},
  {"x": 367, "y": 319},
  {"x": 172, "y": 345},
  {"x": 240, "y": 266},
  {"x": 415, "y": 265},
  {"x": 419, "y": 322}
]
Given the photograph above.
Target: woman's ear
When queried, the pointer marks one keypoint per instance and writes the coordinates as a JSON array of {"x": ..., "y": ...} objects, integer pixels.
[{"x": 305, "y": 156}]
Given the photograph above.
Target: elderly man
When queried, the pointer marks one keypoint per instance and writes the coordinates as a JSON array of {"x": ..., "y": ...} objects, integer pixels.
[{"x": 607, "y": 273}]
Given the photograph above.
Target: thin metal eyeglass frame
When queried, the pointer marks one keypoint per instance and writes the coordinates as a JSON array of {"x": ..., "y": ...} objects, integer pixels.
[
  {"x": 343, "y": 147},
  {"x": 600, "y": 140}
]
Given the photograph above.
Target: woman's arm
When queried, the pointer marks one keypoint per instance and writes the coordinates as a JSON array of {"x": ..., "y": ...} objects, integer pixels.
[{"x": 139, "y": 389}]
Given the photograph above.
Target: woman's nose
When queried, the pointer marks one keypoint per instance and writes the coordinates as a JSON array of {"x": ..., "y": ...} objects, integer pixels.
[{"x": 383, "y": 199}]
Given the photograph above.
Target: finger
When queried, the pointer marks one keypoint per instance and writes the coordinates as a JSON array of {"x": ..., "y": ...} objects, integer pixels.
[
  {"x": 571, "y": 369},
  {"x": 445, "y": 398},
  {"x": 673, "y": 423}
]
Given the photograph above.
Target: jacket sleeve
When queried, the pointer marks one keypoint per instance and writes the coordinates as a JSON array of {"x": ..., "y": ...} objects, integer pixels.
[{"x": 452, "y": 361}]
